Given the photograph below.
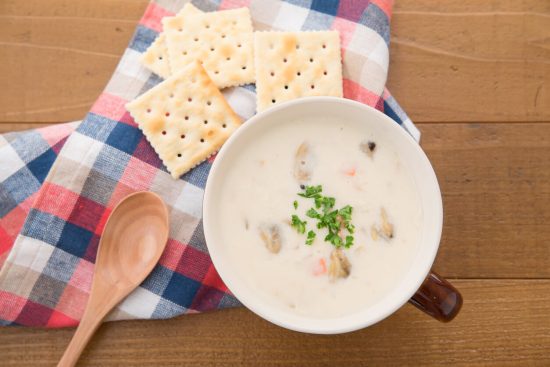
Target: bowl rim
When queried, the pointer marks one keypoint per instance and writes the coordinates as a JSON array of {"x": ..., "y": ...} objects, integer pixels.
[{"x": 219, "y": 262}]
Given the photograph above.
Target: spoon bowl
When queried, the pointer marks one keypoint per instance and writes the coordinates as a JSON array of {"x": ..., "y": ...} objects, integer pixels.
[{"x": 132, "y": 242}]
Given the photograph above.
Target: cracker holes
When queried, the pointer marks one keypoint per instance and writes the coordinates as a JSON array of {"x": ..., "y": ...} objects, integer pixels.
[
  {"x": 160, "y": 58},
  {"x": 223, "y": 35},
  {"x": 239, "y": 45},
  {"x": 196, "y": 39},
  {"x": 224, "y": 126},
  {"x": 190, "y": 99},
  {"x": 216, "y": 72},
  {"x": 167, "y": 114},
  {"x": 273, "y": 101},
  {"x": 311, "y": 60},
  {"x": 205, "y": 122},
  {"x": 186, "y": 118},
  {"x": 272, "y": 73},
  {"x": 212, "y": 49},
  {"x": 182, "y": 136},
  {"x": 312, "y": 86},
  {"x": 286, "y": 86},
  {"x": 179, "y": 155},
  {"x": 163, "y": 132},
  {"x": 171, "y": 95},
  {"x": 285, "y": 60},
  {"x": 180, "y": 29},
  {"x": 209, "y": 103},
  {"x": 148, "y": 110},
  {"x": 298, "y": 73},
  {"x": 202, "y": 140},
  {"x": 207, "y": 26},
  {"x": 324, "y": 46},
  {"x": 244, "y": 68},
  {"x": 184, "y": 53},
  {"x": 325, "y": 72},
  {"x": 297, "y": 46}
]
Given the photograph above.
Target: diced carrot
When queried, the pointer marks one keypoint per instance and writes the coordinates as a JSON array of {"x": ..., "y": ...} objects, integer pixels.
[
  {"x": 350, "y": 172},
  {"x": 320, "y": 267}
]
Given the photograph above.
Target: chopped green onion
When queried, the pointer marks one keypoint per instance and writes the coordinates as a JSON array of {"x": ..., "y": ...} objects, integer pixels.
[
  {"x": 312, "y": 213},
  {"x": 299, "y": 224},
  {"x": 310, "y": 237},
  {"x": 334, "y": 220},
  {"x": 311, "y": 191}
]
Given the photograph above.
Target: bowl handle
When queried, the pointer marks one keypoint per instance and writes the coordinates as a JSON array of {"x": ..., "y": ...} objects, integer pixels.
[{"x": 438, "y": 298}]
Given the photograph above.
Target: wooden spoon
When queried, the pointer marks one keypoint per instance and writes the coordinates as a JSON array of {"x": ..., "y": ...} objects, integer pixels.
[{"x": 132, "y": 242}]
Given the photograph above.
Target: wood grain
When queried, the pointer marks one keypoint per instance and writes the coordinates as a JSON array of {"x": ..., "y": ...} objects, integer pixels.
[
  {"x": 6, "y": 127},
  {"x": 503, "y": 323},
  {"x": 58, "y": 56},
  {"x": 495, "y": 181},
  {"x": 471, "y": 60},
  {"x": 454, "y": 65},
  {"x": 487, "y": 61}
]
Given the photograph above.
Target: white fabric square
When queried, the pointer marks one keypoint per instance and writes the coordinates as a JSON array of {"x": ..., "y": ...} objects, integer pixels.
[
  {"x": 291, "y": 17},
  {"x": 82, "y": 149},
  {"x": 31, "y": 253},
  {"x": 380, "y": 55},
  {"x": 263, "y": 12},
  {"x": 10, "y": 162},
  {"x": 131, "y": 76},
  {"x": 367, "y": 43},
  {"x": 131, "y": 66},
  {"x": 372, "y": 76},
  {"x": 141, "y": 303},
  {"x": 190, "y": 200}
]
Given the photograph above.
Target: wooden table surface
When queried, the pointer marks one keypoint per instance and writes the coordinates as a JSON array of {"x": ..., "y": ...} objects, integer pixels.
[{"x": 474, "y": 76}]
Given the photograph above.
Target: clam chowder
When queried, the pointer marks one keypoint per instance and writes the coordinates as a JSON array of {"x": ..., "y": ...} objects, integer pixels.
[{"x": 321, "y": 220}]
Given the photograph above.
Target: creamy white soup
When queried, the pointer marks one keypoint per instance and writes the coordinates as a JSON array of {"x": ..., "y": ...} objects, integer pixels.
[{"x": 276, "y": 253}]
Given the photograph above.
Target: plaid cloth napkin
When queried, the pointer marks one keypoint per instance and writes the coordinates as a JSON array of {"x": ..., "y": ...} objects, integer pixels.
[{"x": 59, "y": 184}]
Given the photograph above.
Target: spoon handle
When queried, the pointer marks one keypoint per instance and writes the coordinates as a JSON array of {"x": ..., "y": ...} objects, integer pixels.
[{"x": 88, "y": 325}]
